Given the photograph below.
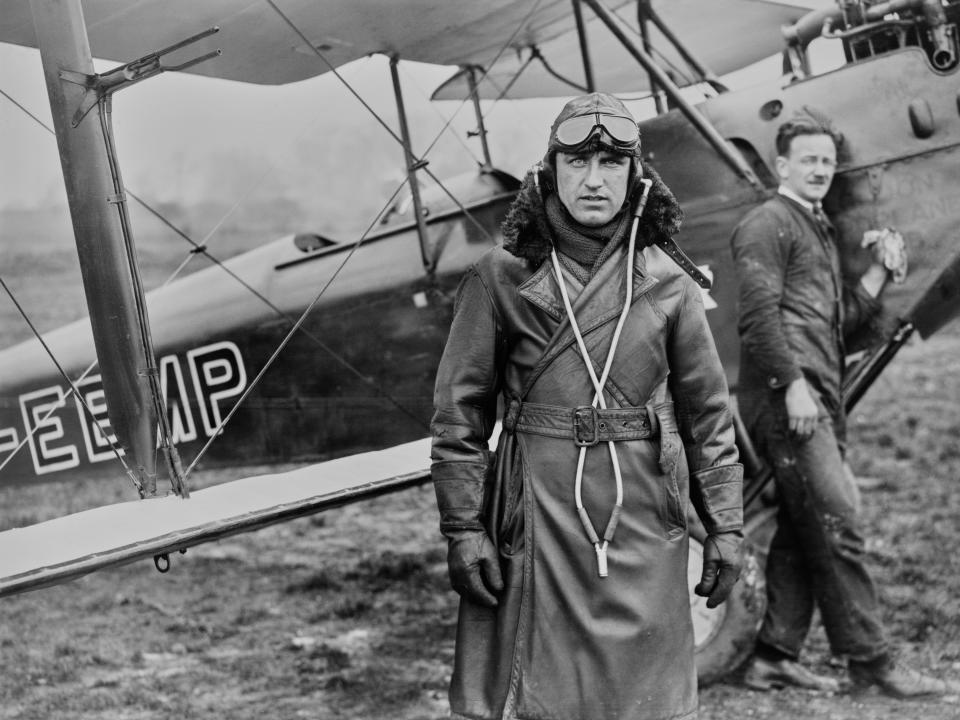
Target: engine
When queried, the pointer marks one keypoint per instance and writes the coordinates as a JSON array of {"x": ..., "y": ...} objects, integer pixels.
[{"x": 868, "y": 28}]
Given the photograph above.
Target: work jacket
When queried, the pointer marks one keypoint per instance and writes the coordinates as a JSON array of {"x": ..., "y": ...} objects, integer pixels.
[
  {"x": 564, "y": 643},
  {"x": 795, "y": 308}
]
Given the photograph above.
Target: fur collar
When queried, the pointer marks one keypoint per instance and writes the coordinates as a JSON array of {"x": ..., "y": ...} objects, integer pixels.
[{"x": 527, "y": 234}]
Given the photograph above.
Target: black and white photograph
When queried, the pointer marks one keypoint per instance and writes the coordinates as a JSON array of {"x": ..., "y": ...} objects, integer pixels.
[{"x": 485, "y": 360}]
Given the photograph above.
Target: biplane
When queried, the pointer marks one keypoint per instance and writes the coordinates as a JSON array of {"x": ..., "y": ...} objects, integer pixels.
[{"x": 310, "y": 348}]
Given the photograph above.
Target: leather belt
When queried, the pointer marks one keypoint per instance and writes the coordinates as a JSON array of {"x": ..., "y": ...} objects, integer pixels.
[{"x": 586, "y": 425}]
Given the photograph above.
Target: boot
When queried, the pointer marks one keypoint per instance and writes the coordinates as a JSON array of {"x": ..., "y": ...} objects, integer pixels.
[
  {"x": 764, "y": 674},
  {"x": 896, "y": 679}
]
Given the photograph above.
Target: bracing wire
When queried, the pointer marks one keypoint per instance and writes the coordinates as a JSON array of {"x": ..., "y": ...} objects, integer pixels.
[
  {"x": 289, "y": 335},
  {"x": 486, "y": 72},
  {"x": 447, "y": 121},
  {"x": 681, "y": 72},
  {"x": 200, "y": 248},
  {"x": 356, "y": 245},
  {"x": 73, "y": 391},
  {"x": 418, "y": 161},
  {"x": 380, "y": 120},
  {"x": 42, "y": 421},
  {"x": 513, "y": 80}
]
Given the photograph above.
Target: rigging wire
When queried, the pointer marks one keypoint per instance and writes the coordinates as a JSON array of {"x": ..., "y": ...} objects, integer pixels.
[
  {"x": 339, "y": 359},
  {"x": 684, "y": 73},
  {"x": 356, "y": 245},
  {"x": 333, "y": 69},
  {"x": 42, "y": 421},
  {"x": 487, "y": 70},
  {"x": 448, "y": 121},
  {"x": 36, "y": 119},
  {"x": 419, "y": 162},
  {"x": 289, "y": 335},
  {"x": 366, "y": 105},
  {"x": 61, "y": 402},
  {"x": 509, "y": 85},
  {"x": 201, "y": 248}
]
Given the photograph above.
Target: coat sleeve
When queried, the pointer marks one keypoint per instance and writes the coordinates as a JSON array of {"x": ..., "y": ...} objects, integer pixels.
[
  {"x": 465, "y": 407},
  {"x": 702, "y": 407},
  {"x": 761, "y": 251}
]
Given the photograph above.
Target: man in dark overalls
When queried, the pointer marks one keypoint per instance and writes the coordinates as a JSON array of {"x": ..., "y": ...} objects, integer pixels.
[{"x": 795, "y": 311}]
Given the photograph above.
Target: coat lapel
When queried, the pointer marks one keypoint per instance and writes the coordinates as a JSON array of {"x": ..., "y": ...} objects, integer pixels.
[
  {"x": 595, "y": 305},
  {"x": 542, "y": 290}
]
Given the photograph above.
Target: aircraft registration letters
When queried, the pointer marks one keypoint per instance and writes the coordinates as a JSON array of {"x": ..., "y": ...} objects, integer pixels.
[{"x": 216, "y": 374}]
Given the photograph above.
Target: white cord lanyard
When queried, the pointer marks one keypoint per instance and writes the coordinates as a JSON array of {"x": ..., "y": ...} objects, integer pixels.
[{"x": 598, "y": 385}]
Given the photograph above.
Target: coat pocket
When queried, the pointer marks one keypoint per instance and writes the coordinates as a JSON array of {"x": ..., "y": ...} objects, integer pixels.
[
  {"x": 674, "y": 507},
  {"x": 672, "y": 468},
  {"x": 510, "y": 471}
]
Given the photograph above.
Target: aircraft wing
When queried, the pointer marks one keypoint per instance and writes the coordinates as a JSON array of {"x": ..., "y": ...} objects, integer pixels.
[
  {"x": 67, "y": 547},
  {"x": 260, "y": 46},
  {"x": 724, "y": 35}
]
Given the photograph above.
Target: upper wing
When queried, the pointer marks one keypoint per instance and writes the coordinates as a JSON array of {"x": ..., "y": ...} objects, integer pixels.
[
  {"x": 724, "y": 35},
  {"x": 260, "y": 46}
]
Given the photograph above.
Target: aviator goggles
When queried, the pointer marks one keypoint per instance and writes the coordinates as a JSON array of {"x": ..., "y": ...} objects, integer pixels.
[{"x": 575, "y": 131}]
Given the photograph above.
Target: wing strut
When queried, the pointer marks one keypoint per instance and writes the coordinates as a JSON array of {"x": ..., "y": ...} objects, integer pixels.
[
  {"x": 429, "y": 260},
  {"x": 646, "y": 12},
  {"x": 584, "y": 49},
  {"x": 647, "y": 47},
  {"x": 701, "y": 123},
  {"x": 481, "y": 130},
  {"x": 80, "y": 101}
]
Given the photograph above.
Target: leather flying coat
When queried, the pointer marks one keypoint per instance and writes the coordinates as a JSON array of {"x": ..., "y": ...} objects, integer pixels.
[{"x": 565, "y": 644}]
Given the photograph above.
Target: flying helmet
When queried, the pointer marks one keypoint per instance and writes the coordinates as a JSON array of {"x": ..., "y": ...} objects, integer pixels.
[{"x": 594, "y": 122}]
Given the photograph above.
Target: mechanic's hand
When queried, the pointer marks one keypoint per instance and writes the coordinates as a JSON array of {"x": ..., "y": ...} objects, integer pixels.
[
  {"x": 474, "y": 567},
  {"x": 889, "y": 250},
  {"x": 722, "y": 561},
  {"x": 802, "y": 410}
]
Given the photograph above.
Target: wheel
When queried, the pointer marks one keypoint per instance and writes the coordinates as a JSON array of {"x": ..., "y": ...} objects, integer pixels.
[{"x": 724, "y": 636}]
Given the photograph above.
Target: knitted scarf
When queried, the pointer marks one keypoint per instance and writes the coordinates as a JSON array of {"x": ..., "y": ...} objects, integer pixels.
[{"x": 587, "y": 247}]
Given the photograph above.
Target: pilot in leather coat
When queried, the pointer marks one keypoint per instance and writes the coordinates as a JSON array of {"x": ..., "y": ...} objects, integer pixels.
[{"x": 561, "y": 642}]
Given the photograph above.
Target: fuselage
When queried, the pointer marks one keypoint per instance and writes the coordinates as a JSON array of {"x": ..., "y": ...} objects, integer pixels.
[{"x": 358, "y": 373}]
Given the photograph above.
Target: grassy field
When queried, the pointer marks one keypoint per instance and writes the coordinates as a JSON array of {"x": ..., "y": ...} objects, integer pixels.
[{"x": 348, "y": 614}]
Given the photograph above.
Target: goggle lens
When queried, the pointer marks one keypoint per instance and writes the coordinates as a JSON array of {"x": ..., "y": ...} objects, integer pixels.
[{"x": 577, "y": 130}]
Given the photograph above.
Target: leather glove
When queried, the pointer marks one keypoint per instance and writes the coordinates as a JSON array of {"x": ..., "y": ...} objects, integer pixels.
[
  {"x": 889, "y": 250},
  {"x": 722, "y": 561},
  {"x": 474, "y": 567}
]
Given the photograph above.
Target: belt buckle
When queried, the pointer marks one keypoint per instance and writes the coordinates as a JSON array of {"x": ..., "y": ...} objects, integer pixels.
[{"x": 580, "y": 414}]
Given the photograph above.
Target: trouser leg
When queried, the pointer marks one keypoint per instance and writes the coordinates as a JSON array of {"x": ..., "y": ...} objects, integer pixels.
[
  {"x": 789, "y": 591},
  {"x": 819, "y": 502}
]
